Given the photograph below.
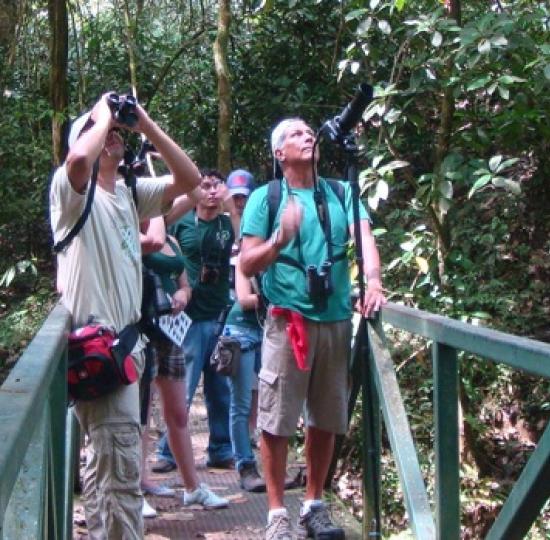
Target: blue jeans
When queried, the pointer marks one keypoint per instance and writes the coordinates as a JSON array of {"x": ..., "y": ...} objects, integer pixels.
[
  {"x": 197, "y": 348},
  {"x": 241, "y": 391}
]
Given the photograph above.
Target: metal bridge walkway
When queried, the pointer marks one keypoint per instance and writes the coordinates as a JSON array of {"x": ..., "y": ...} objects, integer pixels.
[
  {"x": 38, "y": 439},
  {"x": 245, "y": 517}
]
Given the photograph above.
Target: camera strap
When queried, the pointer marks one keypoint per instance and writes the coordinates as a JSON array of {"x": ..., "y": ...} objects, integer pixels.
[
  {"x": 130, "y": 180},
  {"x": 201, "y": 240},
  {"x": 323, "y": 214},
  {"x": 62, "y": 244}
]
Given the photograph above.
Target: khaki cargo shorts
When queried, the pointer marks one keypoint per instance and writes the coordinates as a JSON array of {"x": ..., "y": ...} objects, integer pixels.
[
  {"x": 283, "y": 388},
  {"x": 111, "y": 484}
]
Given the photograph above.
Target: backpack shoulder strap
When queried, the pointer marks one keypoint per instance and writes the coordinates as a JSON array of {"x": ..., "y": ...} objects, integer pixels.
[
  {"x": 339, "y": 191},
  {"x": 273, "y": 203}
]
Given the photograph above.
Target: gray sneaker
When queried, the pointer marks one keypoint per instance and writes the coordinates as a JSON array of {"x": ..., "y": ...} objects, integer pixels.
[
  {"x": 318, "y": 525},
  {"x": 251, "y": 479},
  {"x": 279, "y": 528}
]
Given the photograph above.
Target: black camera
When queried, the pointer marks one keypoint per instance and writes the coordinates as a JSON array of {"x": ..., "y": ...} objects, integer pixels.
[
  {"x": 123, "y": 108},
  {"x": 154, "y": 295},
  {"x": 209, "y": 275},
  {"x": 319, "y": 283},
  {"x": 133, "y": 163}
]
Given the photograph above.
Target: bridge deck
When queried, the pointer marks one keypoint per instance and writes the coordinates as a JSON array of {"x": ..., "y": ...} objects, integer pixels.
[{"x": 245, "y": 517}]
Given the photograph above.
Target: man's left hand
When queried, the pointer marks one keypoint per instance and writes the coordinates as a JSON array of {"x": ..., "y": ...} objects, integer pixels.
[
  {"x": 143, "y": 121},
  {"x": 179, "y": 300},
  {"x": 374, "y": 300}
]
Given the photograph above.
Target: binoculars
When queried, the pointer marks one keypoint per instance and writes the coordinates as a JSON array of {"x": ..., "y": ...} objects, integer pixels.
[
  {"x": 319, "y": 283},
  {"x": 123, "y": 108},
  {"x": 154, "y": 294}
]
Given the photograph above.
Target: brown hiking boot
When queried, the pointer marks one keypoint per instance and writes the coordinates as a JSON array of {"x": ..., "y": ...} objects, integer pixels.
[
  {"x": 251, "y": 479},
  {"x": 318, "y": 525}
]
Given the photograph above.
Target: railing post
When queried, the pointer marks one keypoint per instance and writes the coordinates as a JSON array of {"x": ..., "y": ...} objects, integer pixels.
[
  {"x": 371, "y": 445},
  {"x": 447, "y": 490},
  {"x": 58, "y": 456},
  {"x": 72, "y": 464}
]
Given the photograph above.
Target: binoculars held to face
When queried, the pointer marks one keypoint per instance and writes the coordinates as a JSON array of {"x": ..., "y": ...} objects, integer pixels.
[{"x": 123, "y": 108}]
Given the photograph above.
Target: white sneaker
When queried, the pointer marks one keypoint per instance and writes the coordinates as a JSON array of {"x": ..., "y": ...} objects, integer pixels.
[
  {"x": 205, "y": 497},
  {"x": 147, "y": 511},
  {"x": 158, "y": 490}
]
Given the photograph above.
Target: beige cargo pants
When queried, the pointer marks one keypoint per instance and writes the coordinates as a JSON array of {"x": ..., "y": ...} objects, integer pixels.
[{"x": 111, "y": 486}]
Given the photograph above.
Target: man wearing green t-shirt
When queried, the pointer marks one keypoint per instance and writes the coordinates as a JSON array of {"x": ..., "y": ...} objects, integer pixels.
[
  {"x": 308, "y": 287},
  {"x": 205, "y": 236}
]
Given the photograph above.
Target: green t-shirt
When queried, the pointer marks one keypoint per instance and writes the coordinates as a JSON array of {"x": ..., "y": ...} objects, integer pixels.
[
  {"x": 167, "y": 267},
  {"x": 284, "y": 284},
  {"x": 237, "y": 316},
  {"x": 205, "y": 243}
]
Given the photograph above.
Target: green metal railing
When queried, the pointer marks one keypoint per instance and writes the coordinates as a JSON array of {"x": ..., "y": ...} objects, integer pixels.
[
  {"x": 382, "y": 399},
  {"x": 37, "y": 435}
]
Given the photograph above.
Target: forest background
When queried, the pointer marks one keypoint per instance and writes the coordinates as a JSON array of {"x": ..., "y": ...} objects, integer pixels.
[{"x": 454, "y": 165}]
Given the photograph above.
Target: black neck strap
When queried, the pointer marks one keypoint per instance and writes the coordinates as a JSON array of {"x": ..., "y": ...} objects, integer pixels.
[
  {"x": 201, "y": 239},
  {"x": 320, "y": 199},
  {"x": 63, "y": 244}
]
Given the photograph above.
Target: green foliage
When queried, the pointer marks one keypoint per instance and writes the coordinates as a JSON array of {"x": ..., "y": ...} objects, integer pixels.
[
  {"x": 20, "y": 318},
  {"x": 492, "y": 63}
]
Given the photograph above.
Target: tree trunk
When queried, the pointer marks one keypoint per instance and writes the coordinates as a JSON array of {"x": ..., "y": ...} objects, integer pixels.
[
  {"x": 442, "y": 146},
  {"x": 10, "y": 23},
  {"x": 224, "y": 87},
  {"x": 57, "y": 13},
  {"x": 78, "y": 48},
  {"x": 130, "y": 29}
]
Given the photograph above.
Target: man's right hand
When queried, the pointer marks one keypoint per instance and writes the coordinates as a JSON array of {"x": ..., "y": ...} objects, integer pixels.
[
  {"x": 101, "y": 112},
  {"x": 290, "y": 221}
]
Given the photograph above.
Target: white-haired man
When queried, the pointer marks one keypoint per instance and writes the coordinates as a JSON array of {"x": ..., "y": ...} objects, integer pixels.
[
  {"x": 314, "y": 367},
  {"x": 99, "y": 275}
]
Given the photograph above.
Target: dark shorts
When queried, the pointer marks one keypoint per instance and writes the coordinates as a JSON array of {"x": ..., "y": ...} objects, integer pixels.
[{"x": 170, "y": 360}]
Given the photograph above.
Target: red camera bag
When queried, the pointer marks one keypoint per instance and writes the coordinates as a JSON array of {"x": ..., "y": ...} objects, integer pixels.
[{"x": 99, "y": 361}]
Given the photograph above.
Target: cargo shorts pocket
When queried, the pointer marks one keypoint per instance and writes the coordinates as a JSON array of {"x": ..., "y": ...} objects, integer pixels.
[
  {"x": 126, "y": 456},
  {"x": 267, "y": 389}
]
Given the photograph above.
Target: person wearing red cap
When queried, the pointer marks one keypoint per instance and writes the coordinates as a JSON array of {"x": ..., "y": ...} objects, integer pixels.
[
  {"x": 240, "y": 184},
  {"x": 307, "y": 335},
  {"x": 99, "y": 276}
]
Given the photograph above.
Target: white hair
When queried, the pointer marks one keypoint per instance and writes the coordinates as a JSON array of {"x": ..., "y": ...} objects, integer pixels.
[{"x": 278, "y": 135}]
